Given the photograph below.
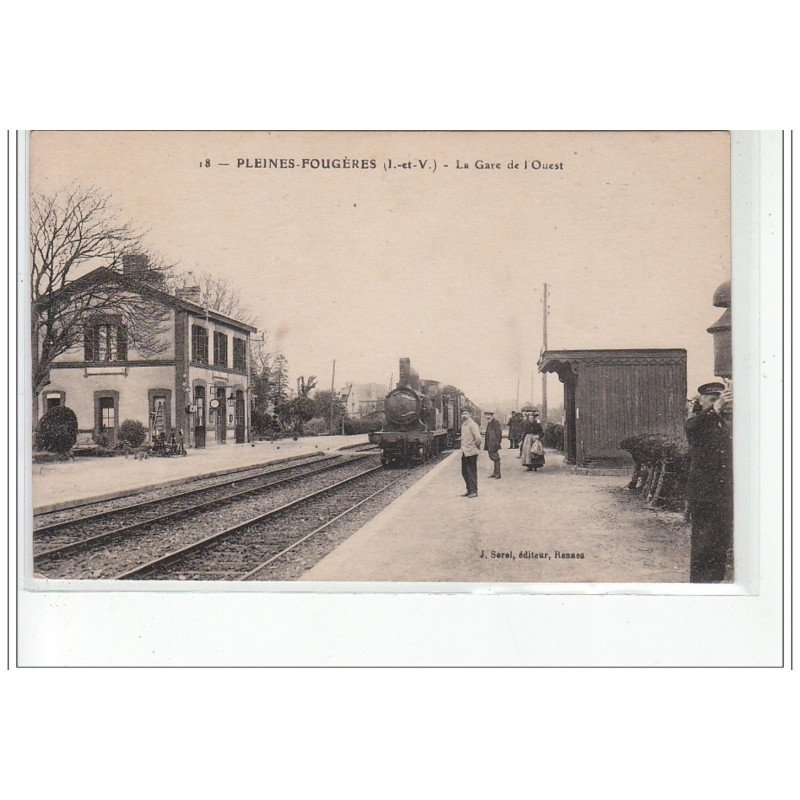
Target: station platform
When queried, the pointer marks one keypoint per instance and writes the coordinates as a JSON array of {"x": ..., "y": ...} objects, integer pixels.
[
  {"x": 63, "y": 484},
  {"x": 516, "y": 530}
]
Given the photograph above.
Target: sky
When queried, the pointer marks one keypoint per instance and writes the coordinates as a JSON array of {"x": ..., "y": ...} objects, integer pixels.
[{"x": 435, "y": 262}]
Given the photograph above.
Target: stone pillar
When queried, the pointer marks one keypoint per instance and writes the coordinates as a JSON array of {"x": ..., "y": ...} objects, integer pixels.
[{"x": 721, "y": 331}]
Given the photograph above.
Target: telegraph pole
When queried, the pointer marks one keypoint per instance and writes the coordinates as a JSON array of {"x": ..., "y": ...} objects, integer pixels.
[
  {"x": 544, "y": 347},
  {"x": 516, "y": 408},
  {"x": 333, "y": 399}
]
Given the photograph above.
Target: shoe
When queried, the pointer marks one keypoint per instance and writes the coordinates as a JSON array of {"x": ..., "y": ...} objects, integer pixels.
[
  {"x": 474, "y": 494},
  {"x": 466, "y": 494}
]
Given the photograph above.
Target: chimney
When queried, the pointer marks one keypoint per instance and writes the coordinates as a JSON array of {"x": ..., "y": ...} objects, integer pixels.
[
  {"x": 192, "y": 294},
  {"x": 134, "y": 265}
]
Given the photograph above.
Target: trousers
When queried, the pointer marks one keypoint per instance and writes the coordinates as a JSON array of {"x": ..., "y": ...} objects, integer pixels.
[
  {"x": 469, "y": 470},
  {"x": 712, "y": 536}
]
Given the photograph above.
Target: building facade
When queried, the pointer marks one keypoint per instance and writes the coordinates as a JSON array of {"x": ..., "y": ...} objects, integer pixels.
[{"x": 195, "y": 388}]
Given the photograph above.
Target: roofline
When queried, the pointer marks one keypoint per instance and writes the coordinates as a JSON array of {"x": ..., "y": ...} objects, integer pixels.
[
  {"x": 165, "y": 297},
  {"x": 549, "y": 357}
]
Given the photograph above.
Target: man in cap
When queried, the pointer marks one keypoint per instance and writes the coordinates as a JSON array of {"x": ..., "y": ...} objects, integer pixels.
[
  {"x": 492, "y": 441},
  {"x": 470, "y": 447},
  {"x": 710, "y": 482}
]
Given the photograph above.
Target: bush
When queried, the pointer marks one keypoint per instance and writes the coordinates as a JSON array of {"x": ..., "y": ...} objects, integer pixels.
[
  {"x": 366, "y": 425},
  {"x": 57, "y": 430},
  {"x": 131, "y": 433},
  {"x": 554, "y": 436},
  {"x": 661, "y": 467},
  {"x": 316, "y": 426}
]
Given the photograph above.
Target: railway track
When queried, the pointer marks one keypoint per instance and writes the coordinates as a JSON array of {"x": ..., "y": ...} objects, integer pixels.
[
  {"x": 245, "y": 551},
  {"x": 90, "y": 547}
]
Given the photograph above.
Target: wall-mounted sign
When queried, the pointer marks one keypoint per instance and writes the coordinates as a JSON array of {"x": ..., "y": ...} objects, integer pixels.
[{"x": 213, "y": 403}]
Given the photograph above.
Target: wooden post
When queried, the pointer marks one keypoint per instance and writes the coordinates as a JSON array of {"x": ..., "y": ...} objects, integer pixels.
[
  {"x": 333, "y": 398},
  {"x": 544, "y": 347}
]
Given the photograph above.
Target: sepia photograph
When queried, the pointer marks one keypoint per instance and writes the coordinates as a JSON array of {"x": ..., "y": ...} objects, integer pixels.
[{"x": 380, "y": 357}]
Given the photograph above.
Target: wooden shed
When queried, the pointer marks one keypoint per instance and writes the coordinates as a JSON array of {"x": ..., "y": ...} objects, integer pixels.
[{"x": 612, "y": 394}]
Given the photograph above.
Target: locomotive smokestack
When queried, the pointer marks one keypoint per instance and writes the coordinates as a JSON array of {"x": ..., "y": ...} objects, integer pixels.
[
  {"x": 408, "y": 377},
  {"x": 405, "y": 372}
]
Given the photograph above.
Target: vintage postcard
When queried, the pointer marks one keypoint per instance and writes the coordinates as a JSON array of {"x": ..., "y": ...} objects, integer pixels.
[{"x": 406, "y": 357}]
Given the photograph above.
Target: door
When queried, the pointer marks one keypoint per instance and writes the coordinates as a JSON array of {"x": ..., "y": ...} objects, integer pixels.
[
  {"x": 220, "y": 414},
  {"x": 199, "y": 416},
  {"x": 108, "y": 423},
  {"x": 239, "y": 416}
]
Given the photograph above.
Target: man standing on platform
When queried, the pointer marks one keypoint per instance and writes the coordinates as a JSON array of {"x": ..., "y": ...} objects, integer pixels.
[
  {"x": 710, "y": 483},
  {"x": 470, "y": 447},
  {"x": 493, "y": 440}
]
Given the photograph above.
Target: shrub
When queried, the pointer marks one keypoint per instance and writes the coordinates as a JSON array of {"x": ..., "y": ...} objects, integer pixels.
[
  {"x": 366, "y": 425},
  {"x": 554, "y": 436},
  {"x": 661, "y": 466},
  {"x": 57, "y": 430},
  {"x": 131, "y": 433},
  {"x": 316, "y": 426}
]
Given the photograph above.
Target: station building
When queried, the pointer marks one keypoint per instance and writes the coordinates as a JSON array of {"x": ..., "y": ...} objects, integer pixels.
[
  {"x": 610, "y": 395},
  {"x": 196, "y": 387}
]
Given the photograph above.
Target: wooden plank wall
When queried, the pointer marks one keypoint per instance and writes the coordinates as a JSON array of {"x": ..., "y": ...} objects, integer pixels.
[{"x": 620, "y": 400}]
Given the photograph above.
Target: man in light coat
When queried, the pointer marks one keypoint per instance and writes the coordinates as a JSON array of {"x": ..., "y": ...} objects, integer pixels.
[
  {"x": 470, "y": 447},
  {"x": 493, "y": 439}
]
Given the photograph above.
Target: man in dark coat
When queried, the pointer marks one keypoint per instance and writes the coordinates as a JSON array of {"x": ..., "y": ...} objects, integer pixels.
[
  {"x": 492, "y": 440},
  {"x": 710, "y": 483},
  {"x": 514, "y": 424}
]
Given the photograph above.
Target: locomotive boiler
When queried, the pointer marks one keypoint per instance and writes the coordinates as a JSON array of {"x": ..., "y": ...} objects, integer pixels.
[{"x": 422, "y": 419}]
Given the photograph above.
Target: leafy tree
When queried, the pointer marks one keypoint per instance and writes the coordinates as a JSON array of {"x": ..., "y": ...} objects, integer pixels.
[
  {"x": 279, "y": 381},
  {"x": 295, "y": 412},
  {"x": 326, "y": 402}
]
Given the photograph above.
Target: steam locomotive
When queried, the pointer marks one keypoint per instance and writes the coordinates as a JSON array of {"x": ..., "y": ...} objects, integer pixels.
[{"x": 422, "y": 419}]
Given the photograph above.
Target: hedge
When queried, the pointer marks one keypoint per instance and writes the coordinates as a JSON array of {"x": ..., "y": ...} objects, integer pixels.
[{"x": 661, "y": 467}]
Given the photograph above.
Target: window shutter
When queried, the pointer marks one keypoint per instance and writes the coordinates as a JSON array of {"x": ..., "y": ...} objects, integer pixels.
[
  {"x": 122, "y": 343},
  {"x": 88, "y": 343}
]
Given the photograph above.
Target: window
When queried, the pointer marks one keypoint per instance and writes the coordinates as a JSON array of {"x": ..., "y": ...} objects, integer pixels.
[
  {"x": 220, "y": 349},
  {"x": 107, "y": 421},
  {"x": 199, "y": 344},
  {"x": 239, "y": 354},
  {"x": 105, "y": 341}
]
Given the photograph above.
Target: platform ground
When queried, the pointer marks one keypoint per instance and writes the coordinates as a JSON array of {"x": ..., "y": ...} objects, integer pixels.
[{"x": 431, "y": 533}]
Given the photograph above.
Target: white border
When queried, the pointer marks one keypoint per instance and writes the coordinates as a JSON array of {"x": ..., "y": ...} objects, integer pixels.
[{"x": 556, "y": 625}]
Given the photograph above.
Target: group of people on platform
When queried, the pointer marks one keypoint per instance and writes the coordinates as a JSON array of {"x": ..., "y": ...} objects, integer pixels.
[{"x": 525, "y": 433}]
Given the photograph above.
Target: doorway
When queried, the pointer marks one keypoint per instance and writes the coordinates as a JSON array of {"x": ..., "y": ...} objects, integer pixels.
[
  {"x": 220, "y": 414},
  {"x": 239, "y": 416},
  {"x": 199, "y": 416}
]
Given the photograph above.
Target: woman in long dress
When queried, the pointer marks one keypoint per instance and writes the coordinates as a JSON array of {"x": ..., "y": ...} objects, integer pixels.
[{"x": 533, "y": 432}]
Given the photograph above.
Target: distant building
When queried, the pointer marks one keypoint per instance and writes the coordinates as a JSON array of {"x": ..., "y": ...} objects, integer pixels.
[
  {"x": 365, "y": 399},
  {"x": 197, "y": 386},
  {"x": 610, "y": 395}
]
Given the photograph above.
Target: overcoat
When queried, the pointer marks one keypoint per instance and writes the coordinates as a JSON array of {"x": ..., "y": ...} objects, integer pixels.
[
  {"x": 711, "y": 452},
  {"x": 493, "y": 436}
]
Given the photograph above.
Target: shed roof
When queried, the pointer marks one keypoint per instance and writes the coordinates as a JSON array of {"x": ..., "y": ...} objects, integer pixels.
[{"x": 556, "y": 360}]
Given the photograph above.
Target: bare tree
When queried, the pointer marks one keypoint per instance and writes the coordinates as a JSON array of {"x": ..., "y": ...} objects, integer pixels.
[
  {"x": 72, "y": 232},
  {"x": 217, "y": 294}
]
